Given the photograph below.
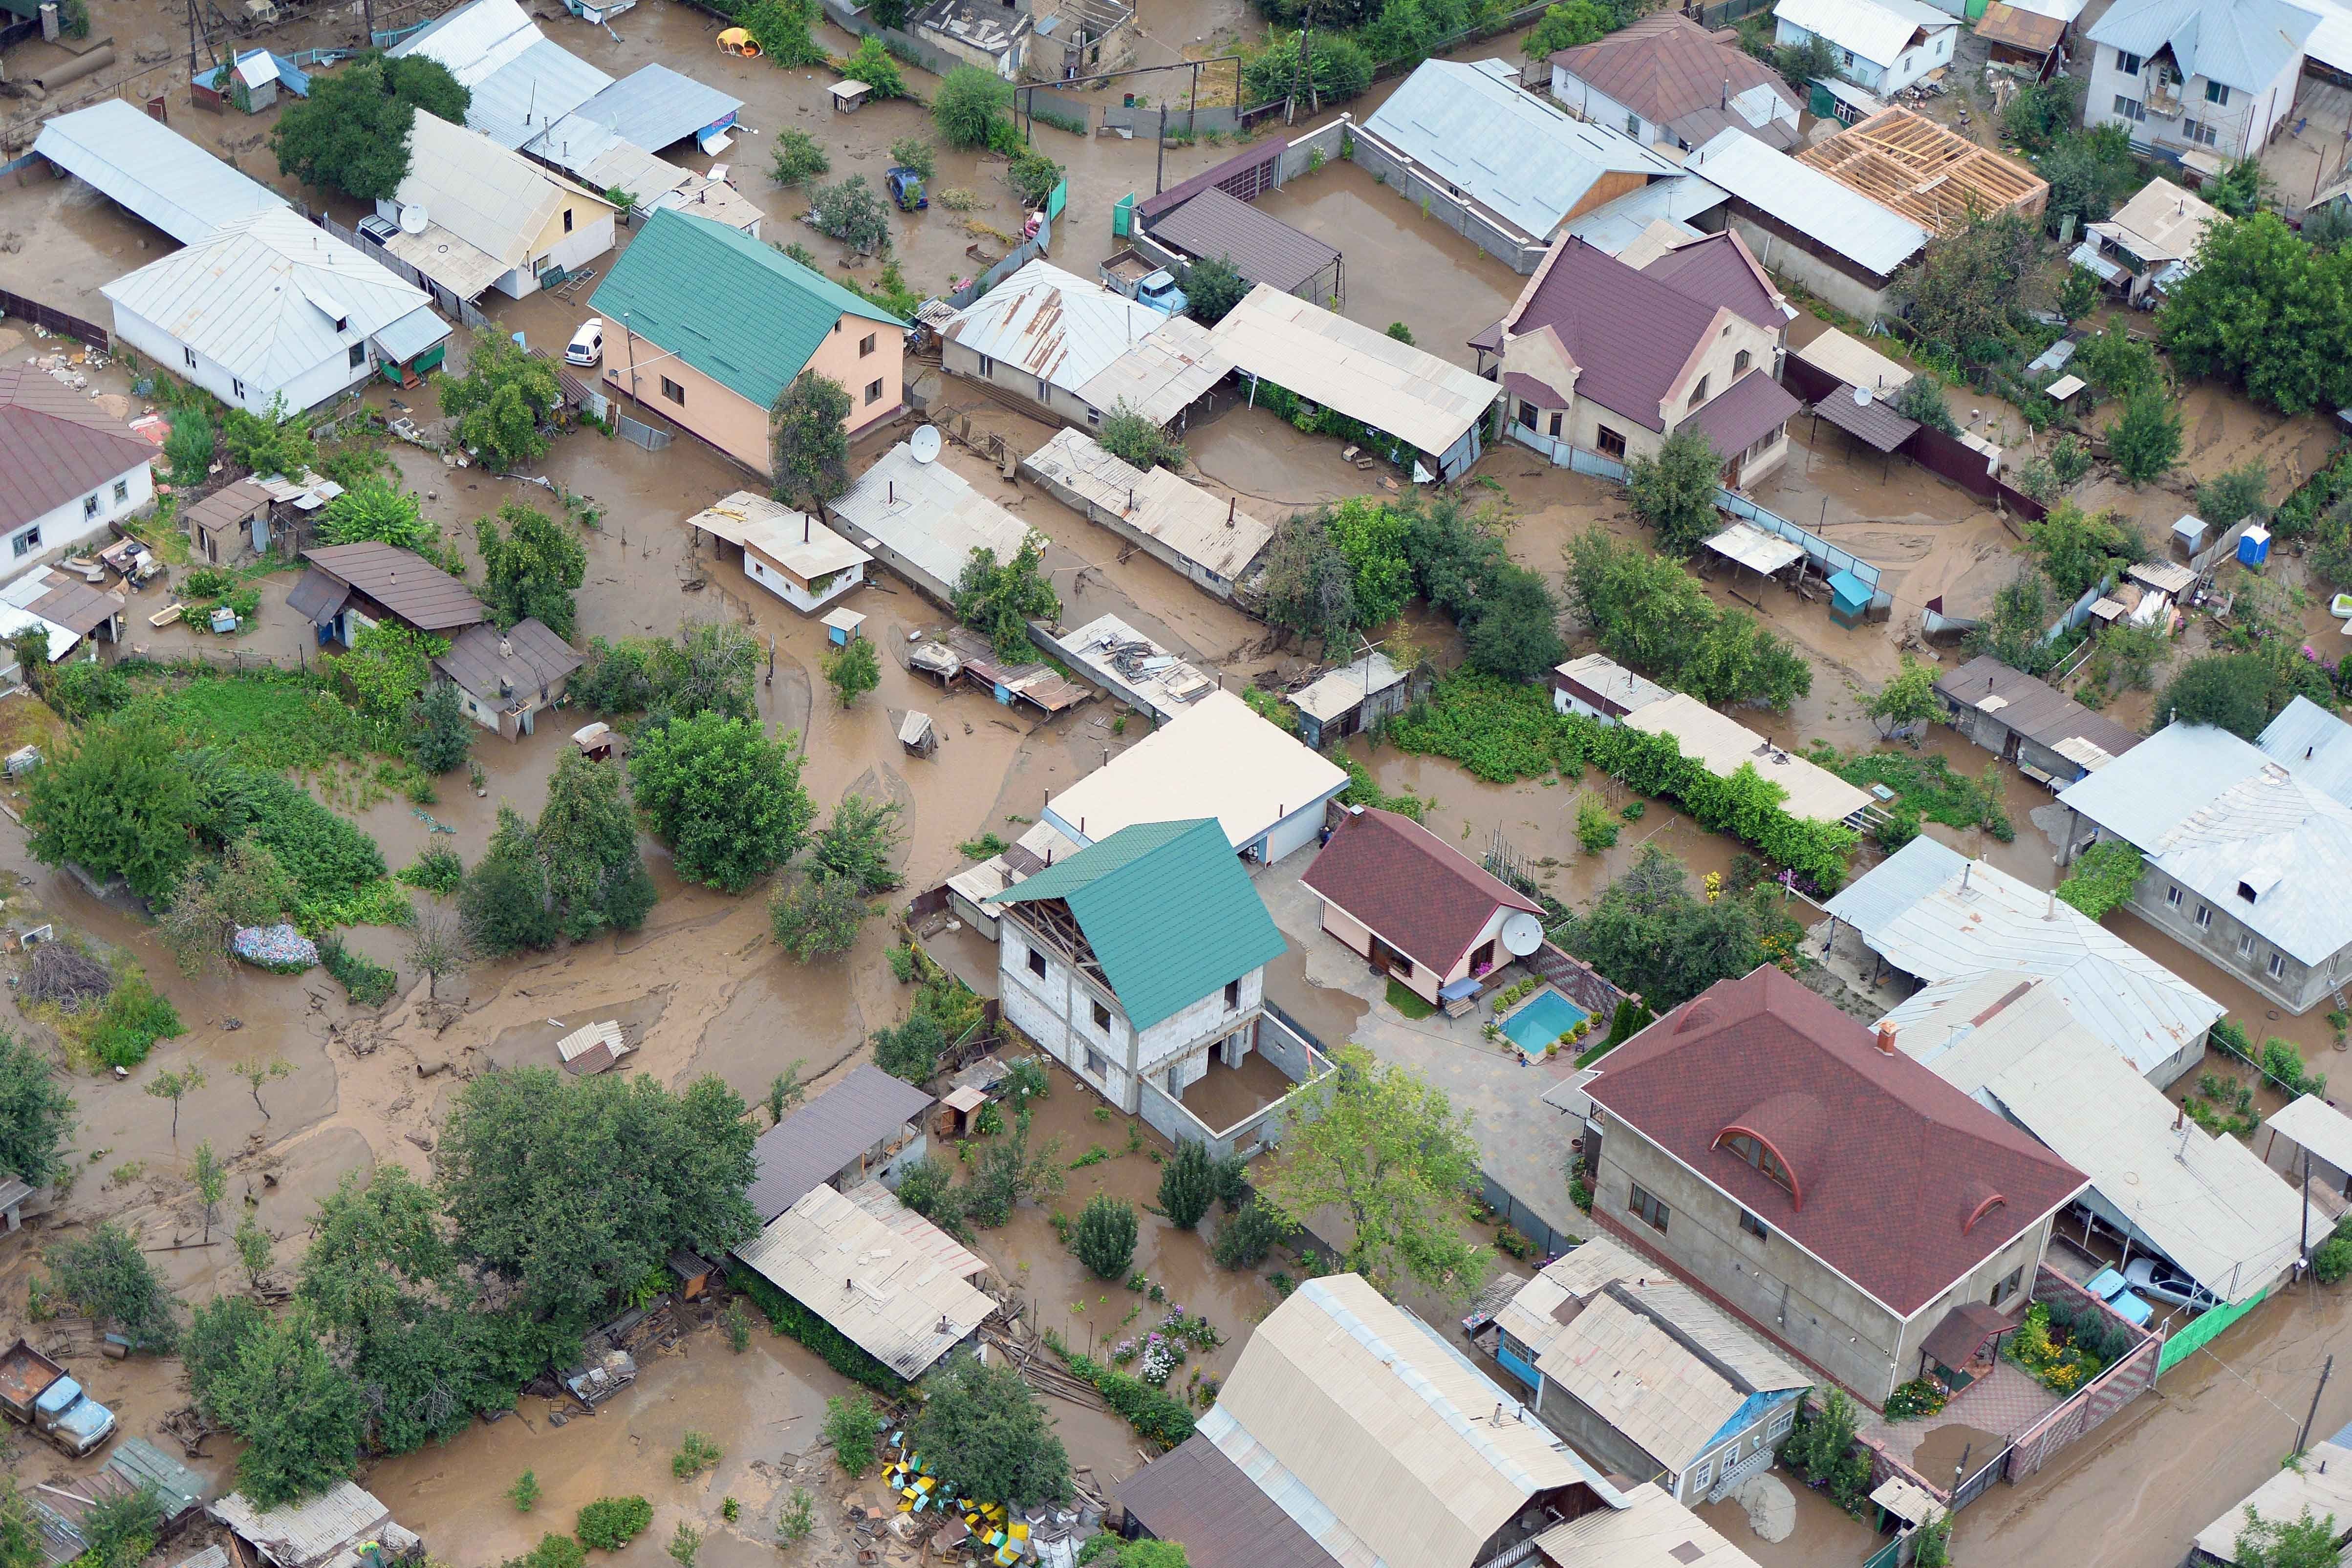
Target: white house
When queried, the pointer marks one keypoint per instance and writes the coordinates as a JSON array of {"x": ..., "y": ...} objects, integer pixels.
[
  {"x": 66, "y": 472},
  {"x": 1882, "y": 45},
  {"x": 474, "y": 217},
  {"x": 1597, "y": 687},
  {"x": 1665, "y": 80},
  {"x": 2211, "y": 76},
  {"x": 1138, "y": 959},
  {"x": 269, "y": 306},
  {"x": 783, "y": 550}
]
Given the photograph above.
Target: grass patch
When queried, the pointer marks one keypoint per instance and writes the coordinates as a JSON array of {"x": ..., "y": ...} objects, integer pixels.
[
  {"x": 118, "y": 1031},
  {"x": 370, "y": 984},
  {"x": 278, "y": 720},
  {"x": 1407, "y": 1001},
  {"x": 1924, "y": 783},
  {"x": 1502, "y": 731}
]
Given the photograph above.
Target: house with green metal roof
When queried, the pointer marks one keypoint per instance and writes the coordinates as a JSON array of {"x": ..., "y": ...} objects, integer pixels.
[
  {"x": 1138, "y": 962},
  {"x": 705, "y": 326}
]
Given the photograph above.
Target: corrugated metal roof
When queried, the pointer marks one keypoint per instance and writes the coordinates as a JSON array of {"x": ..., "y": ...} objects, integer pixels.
[
  {"x": 2244, "y": 44},
  {"x": 1172, "y": 368},
  {"x": 248, "y": 296},
  {"x": 1528, "y": 161},
  {"x": 1666, "y": 66},
  {"x": 410, "y": 335},
  {"x": 153, "y": 170},
  {"x": 1215, "y": 535},
  {"x": 2320, "y": 1486},
  {"x": 1196, "y": 1495},
  {"x": 1852, "y": 361},
  {"x": 53, "y": 449},
  {"x": 1112, "y": 653},
  {"x": 1651, "y": 1530},
  {"x": 1807, "y": 200},
  {"x": 1754, "y": 548},
  {"x": 474, "y": 39},
  {"x": 1217, "y": 757},
  {"x": 1619, "y": 690},
  {"x": 2311, "y": 1122},
  {"x": 1262, "y": 248},
  {"x": 496, "y": 200},
  {"x": 402, "y": 581},
  {"x": 527, "y": 654},
  {"x": 1334, "y": 692},
  {"x": 304, "y": 1534},
  {"x": 1054, "y": 325},
  {"x": 926, "y": 516},
  {"x": 1361, "y": 371},
  {"x": 1874, "y": 30},
  {"x": 1873, "y": 422},
  {"x": 903, "y": 1302},
  {"x": 1723, "y": 745},
  {"x": 2314, "y": 744},
  {"x": 655, "y": 106},
  {"x": 2032, "y": 707},
  {"x": 2214, "y": 813},
  {"x": 522, "y": 82},
  {"x": 790, "y": 538},
  {"x": 1618, "y": 225},
  {"x": 1167, "y": 909},
  {"x": 1744, "y": 413},
  {"x": 809, "y": 1146}
]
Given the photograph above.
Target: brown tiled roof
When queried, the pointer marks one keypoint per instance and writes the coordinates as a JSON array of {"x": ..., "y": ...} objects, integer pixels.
[
  {"x": 1956, "y": 1341},
  {"x": 1718, "y": 270},
  {"x": 1195, "y": 1495},
  {"x": 2035, "y": 709},
  {"x": 1629, "y": 334},
  {"x": 402, "y": 581},
  {"x": 1897, "y": 1171},
  {"x": 1662, "y": 67},
  {"x": 1744, "y": 413},
  {"x": 1421, "y": 895},
  {"x": 54, "y": 446},
  {"x": 1262, "y": 247},
  {"x": 529, "y": 655}
]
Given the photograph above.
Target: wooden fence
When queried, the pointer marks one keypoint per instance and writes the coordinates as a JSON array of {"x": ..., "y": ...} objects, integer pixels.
[{"x": 55, "y": 320}]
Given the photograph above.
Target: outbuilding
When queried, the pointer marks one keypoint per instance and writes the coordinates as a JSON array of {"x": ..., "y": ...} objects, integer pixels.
[
  {"x": 351, "y": 588},
  {"x": 922, "y": 519},
  {"x": 1177, "y": 522},
  {"x": 2053, "y": 738},
  {"x": 783, "y": 550},
  {"x": 510, "y": 677},
  {"x": 1419, "y": 910},
  {"x": 144, "y": 165}
]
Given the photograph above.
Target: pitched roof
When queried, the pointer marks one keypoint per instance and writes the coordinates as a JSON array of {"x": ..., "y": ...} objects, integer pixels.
[
  {"x": 1877, "y": 30},
  {"x": 2161, "y": 223},
  {"x": 261, "y": 295},
  {"x": 1604, "y": 683},
  {"x": 1527, "y": 162},
  {"x": 527, "y": 654},
  {"x": 153, "y": 170},
  {"x": 1154, "y": 502},
  {"x": 1651, "y": 1530},
  {"x": 1842, "y": 219},
  {"x": 402, "y": 581},
  {"x": 1896, "y": 1173},
  {"x": 2244, "y": 44},
  {"x": 1361, "y": 371},
  {"x": 1386, "y": 1427},
  {"x": 1666, "y": 66},
  {"x": 1055, "y": 325},
  {"x": 1194, "y": 1494},
  {"x": 1720, "y": 270},
  {"x": 927, "y": 517},
  {"x": 1167, "y": 910},
  {"x": 1418, "y": 893},
  {"x": 805, "y": 1149},
  {"x": 1262, "y": 247},
  {"x": 1628, "y": 333},
  {"x": 53, "y": 447},
  {"x": 2314, "y": 744},
  {"x": 2036, "y": 710},
  {"x": 738, "y": 310},
  {"x": 496, "y": 200},
  {"x": 1744, "y": 413}
]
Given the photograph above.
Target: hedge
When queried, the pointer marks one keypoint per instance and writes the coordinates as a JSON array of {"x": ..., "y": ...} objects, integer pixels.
[
  {"x": 791, "y": 1318},
  {"x": 1153, "y": 1413}
]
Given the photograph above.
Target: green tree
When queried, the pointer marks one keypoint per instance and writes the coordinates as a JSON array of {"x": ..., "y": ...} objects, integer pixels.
[
  {"x": 1132, "y": 437},
  {"x": 874, "y": 64},
  {"x": 808, "y": 438},
  {"x": 855, "y": 670},
  {"x": 1674, "y": 492},
  {"x": 1032, "y": 176},
  {"x": 1515, "y": 629},
  {"x": 586, "y": 838},
  {"x": 1908, "y": 699},
  {"x": 999, "y": 600},
  {"x": 2242, "y": 188},
  {"x": 1969, "y": 279},
  {"x": 217, "y": 1331},
  {"x": 167, "y": 1085},
  {"x": 298, "y": 1412},
  {"x": 726, "y": 798},
  {"x": 1388, "y": 1148},
  {"x": 1104, "y": 1237},
  {"x": 1566, "y": 26},
  {"x": 254, "y": 1249},
  {"x": 501, "y": 402},
  {"x": 524, "y": 1493},
  {"x": 2042, "y": 113},
  {"x": 1110, "y": 1552},
  {"x": 2224, "y": 499},
  {"x": 504, "y": 900},
  {"x": 246, "y": 887},
  {"x": 1310, "y": 587},
  {"x": 2237, "y": 692},
  {"x": 1339, "y": 69},
  {"x": 189, "y": 447},
  {"x": 1647, "y": 613},
  {"x": 378, "y": 509},
  {"x": 104, "y": 1276},
  {"x": 437, "y": 948},
  {"x": 2266, "y": 311},
  {"x": 2117, "y": 363},
  {"x": 37, "y": 1114},
  {"x": 21, "y": 1545},
  {"x": 1648, "y": 933},
  {"x": 851, "y": 211},
  {"x": 1213, "y": 286},
  {"x": 256, "y": 1072},
  {"x": 351, "y": 135},
  {"x": 656, "y": 1172},
  {"x": 2103, "y": 877},
  {"x": 2079, "y": 294},
  {"x": 532, "y": 569},
  {"x": 2077, "y": 549},
  {"x": 817, "y": 916},
  {"x": 440, "y": 731},
  {"x": 852, "y": 1423},
  {"x": 915, "y": 152},
  {"x": 388, "y": 666},
  {"x": 2303, "y": 1542},
  {"x": 1373, "y": 536},
  {"x": 1401, "y": 332},
  {"x": 798, "y": 159},
  {"x": 117, "y": 802},
  {"x": 969, "y": 105},
  {"x": 857, "y": 842},
  {"x": 785, "y": 1092},
  {"x": 783, "y": 30},
  {"x": 709, "y": 667},
  {"x": 983, "y": 1430},
  {"x": 2089, "y": 171},
  {"x": 1247, "y": 1234},
  {"x": 1922, "y": 399},
  {"x": 2145, "y": 441},
  {"x": 209, "y": 1180},
  {"x": 273, "y": 442},
  {"x": 1187, "y": 1184},
  {"x": 910, "y": 1051}
]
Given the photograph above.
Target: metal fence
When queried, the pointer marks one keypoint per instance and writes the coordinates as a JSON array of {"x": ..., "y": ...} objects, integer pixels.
[
  {"x": 54, "y": 320},
  {"x": 642, "y": 434},
  {"x": 1725, "y": 15},
  {"x": 2186, "y": 1342},
  {"x": 1024, "y": 253}
]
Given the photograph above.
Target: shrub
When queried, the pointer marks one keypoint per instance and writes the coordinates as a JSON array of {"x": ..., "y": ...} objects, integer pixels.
[
  {"x": 837, "y": 1350},
  {"x": 852, "y": 213},
  {"x": 915, "y": 152},
  {"x": 696, "y": 1453},
  {"x": 368, "y": 983},
  {"x": 851, "y": 1424},
  {"x": 1917, "y": 1397},
  {"x": 1134, "y": 439},
  {"x": 872, "y": 65},
  {"x": 1153, "y": 1413},
  {"x": 798, "y": 159},
  {"x": 612, "y": 1522},
  {"x": 1247, "y": 1234},
  {"x": 969, "y": 105},
  {"x": 1104, "y": 1237},
  {"x": 436, "y": 871},
  {"x": 2333, "y": 1260},
  {"x": 1187, "y": 1184},
  {"x": 1032, "y": 176}
]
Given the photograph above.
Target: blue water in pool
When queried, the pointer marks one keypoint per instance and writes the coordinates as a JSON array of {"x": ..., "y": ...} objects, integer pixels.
[{"x": 1544, "y": 1020}]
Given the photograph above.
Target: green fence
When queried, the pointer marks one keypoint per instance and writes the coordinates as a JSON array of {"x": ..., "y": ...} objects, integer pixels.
[{"x": 2193, "y": 1338}]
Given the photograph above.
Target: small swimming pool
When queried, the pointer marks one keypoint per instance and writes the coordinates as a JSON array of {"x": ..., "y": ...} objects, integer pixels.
[{"x": 1541, "y": 1021}]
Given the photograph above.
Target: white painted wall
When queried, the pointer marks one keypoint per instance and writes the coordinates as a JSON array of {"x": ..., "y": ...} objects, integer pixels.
[
  {"x": 2240, "y": 126},
  {"x": 86, "y": 517},
  {"x": 308, "y": 390},
  {"x": 1884, "y": 77},
  {"x": 790, "y": 588},
  {"x": 1758, "y": 106}
]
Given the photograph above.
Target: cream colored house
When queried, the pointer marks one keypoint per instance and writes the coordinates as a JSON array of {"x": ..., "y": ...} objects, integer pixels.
[{"x": 474, "y": 217}]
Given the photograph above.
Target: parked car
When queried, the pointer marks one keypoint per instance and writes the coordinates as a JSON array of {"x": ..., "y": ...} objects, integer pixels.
[
  {"x": 587, "y": 345},
  {"x": 906, "y": 190},
  {"x": 2154, "y": 1277}
]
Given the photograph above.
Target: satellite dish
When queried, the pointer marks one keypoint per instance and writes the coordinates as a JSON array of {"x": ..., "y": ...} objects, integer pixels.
[
  {"x": 1522, "y": 933},
  {"x": 1861, "y": 397},
  {"x": 925, "y": 442},
  {"x": 412, "y": 218}
]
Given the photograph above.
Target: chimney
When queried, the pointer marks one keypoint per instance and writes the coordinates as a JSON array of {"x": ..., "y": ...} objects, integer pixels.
[
  {"x": 2052, "y": 912},
  {"x": 1965, "y": 870},
  {"x": 505, "y": 649},
  {"x": 1885, "y": 1037}
]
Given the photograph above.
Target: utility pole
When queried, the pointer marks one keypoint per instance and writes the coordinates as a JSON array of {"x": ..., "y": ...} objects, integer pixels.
[{"x": 2313, "y": 1414}]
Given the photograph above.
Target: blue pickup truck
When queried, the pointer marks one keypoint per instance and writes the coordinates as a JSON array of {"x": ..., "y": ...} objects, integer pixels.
[{"x": 36, "y": 1392}]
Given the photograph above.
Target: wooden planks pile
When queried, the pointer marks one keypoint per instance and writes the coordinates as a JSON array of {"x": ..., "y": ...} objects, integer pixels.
[{"x": 1928, "y": 172}]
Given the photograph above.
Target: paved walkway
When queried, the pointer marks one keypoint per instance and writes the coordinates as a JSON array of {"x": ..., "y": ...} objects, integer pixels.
[{"x": 2004, "y": 1402}]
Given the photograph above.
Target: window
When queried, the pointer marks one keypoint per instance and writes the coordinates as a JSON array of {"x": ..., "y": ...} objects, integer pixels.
[
  {"x": 1556, "y": 418},
  {"x": 866, "y": 345},
  {"x": 26, "y": 542},
  {"x": 1096, "y": 1065},
  {"x": 1783, "y": 1422},
  {"x": 1611, "y": 442},
  {"x": 2172, "y": 898},
  {"x": 2278, "y": 965},
  {"x": 2215, "y": 92},
  {"x": 1646, "y": 1208},
  {"x": 239, "y": 386},
  {"x": 2010, "y": 1286},
  {"x": 1233, "y": 995},
  {"x": 1176, "y": 1080},
  {"x": 1102, "y": 1017},
  {"x": 2130, "y": 109},
  {"x": 122, "y": 492},
  {"x": 1044, "y": 390},
  {"x": 2201, "y": 131},
  {"x": 672, "y": 391},
  {"x": 1037, "y": 963},
  {"x": 987, "y": 368},
  {"x": 1747, "y": 1147},
  {"x": 1698, "y": 392},
  {"x": 1754, "y": 1226},
  {"x": 2245, "y": 944},
  {"x": 189, "y": 355},
  {"x": 2204, "y": 917},
  {"x": 89, "y": 505},
  {"x": 1847, "y": 55},
  {"x": 1094, "y": 416},
  {"x": 874, "y": 390},
  {"x": 1740, "y": 363},
  {"x": 1526, "y": 415},
  {"x": 1702, "y": 1477},
  {"x": 2129, "y": 63},
  {"x": 1633, "y": 125},
  {"x": 567, "y": 220},
  {"x": 359, "y": 355}
]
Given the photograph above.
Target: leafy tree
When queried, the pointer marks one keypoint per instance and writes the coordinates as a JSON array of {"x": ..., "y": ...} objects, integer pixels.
[
  {"x": 121, "y": 1527},
  {"x": 2079, "y": 294},
  {"x": 1104, "y": 1237},
  {"x": 254, "y": 1249},
  {"x": 684, "y": 1542},
  {"x": 1247, "y": 1234},
  {"x": 298, "y": 1413},
  {"x": 2089, "y": 171},
  {"x": 217, "y": 1332},
  {"x": 117, "y": 802},
  {"x": 983, "y": 1430},
  {"x": 165, "y": 1085},
  {"x": 532, "y": 569},
  {"x": 1401, "y": 332},
  {"x": 2043, "y": 112},
  {"x": 726, "y": 798},
  {"x": 914, "y": 152},
  {"x": 817, "y": 916},
  {"x": 1187, "y": 1184},
  {"x": 2117, "y": 363},
  {"x": 969, "y": 105},
  {"x": 851, "y": 1423},
  {"x": 504, "y": 902},
  {"x": 1648, "y": 933},
  {"x": 1566, "y": 26},
  {"x": 1132, "y": 437},
  {"x": 2077, "y": 549},
  {"x": 2145, "y": 441},
  {"x": 2241, "y": 190},
  {"x": 808, "y": 438},
  {"x": 1341, "y": 68},
  {"x": 1969, "y": 279},
  {"x": 1908, "y": 699},
  {"x": 1213, "y": 286},
  {"x": 652, "y": 1172},
  {"x": 273, "y": 442},
  {"x": 377, "y": 509},
  {"x": 1032, "y": 176},
  {"x": 785, "y": 1092},
  {"x": 1815, "y": 59},
  {"x": 104, "y": 1276},
  {"x": 256, "y": 1072},
  {"x": 999, "y": 600},
  {"x": 857, "y": 843},
  {"x": 782, "y": 29},
  {"x": 1515, "y": 632},
  {"x": 1110, "y": 1552},
  {"x": 501, "y": 402},
  {"x": 710, "y": 667},
  {"x": 2103, "y": 877},
  {"x": 612, "y": 1522},
  {"x": 2224, "y": 499},
  {"x": 2240, "y": 693},
  {"x": 586, "y": 837},
  {"x": 2303, "y": 1542},
  {"x": 37, "y": 1114},
  {"x": 1310, "y": 587},
  {"x": 1372, "y": 536},
  {"x": 854, "y": 671},
  {"x": 246, "y": 887},
  {"x": 1674, "y": 492},
  {"x": 524, "y": 1493},
  {"x": 910, "y": 1051},
  {"x": 351, "y": 135},
  {"x": 426, "y": 82},
  {"x": 440, "y": 732},
  {"x": 798, "y": 159},
  {"x": 2326, "y": 228},
  {"x": 1387, "y": 1147},
  {"x": 851, "y": 211},
  {"x": 388, "y": 666},
  {"x": 2266, "y": 311},
  {"x": 1649, "y": 613},
  {"x": 189, "y": 447},
  {"x": 21, "y": 1545},
  {"x": 209, "y": 1179},
  {"x": 1922, "y": 399}
]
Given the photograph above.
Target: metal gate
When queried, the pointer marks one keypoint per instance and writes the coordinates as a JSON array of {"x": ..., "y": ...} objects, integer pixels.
[
  {"x": 644, "y": 435},
  {"x": 1969, "y": 1491}
]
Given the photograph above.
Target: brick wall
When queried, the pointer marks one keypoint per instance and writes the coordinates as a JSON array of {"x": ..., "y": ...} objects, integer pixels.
[{"x": 2095, "y": 1401}]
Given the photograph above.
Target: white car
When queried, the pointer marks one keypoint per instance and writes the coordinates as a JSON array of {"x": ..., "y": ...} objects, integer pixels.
[
  {"x": 2150, "y": 1276},
  {"x": 587, "y": 345}
]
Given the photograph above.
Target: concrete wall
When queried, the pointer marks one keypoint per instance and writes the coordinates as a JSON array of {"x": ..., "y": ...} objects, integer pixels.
[
  {"x": 1059, "y": 401},
  {"x": 2239, "y": 127},
  {"x": 319, "y": 383},
  {"x": 48, "y": 537},
  {"x": 1782, "y": 257},
  {"x": 2228, "y": 941}
]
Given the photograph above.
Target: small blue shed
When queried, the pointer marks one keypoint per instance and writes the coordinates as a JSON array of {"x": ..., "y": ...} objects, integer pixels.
[{"x": 1849, "y": 600}]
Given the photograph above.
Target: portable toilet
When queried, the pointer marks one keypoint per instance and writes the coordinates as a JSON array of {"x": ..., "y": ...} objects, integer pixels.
[
  {"x": 2254, "y": 546},
  {"x": 841, "y": 627},
  {"x": 1849, "y": 600}
]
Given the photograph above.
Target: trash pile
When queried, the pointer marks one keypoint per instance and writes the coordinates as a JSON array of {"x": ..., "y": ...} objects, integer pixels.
[{"x": 280, "y": 949}]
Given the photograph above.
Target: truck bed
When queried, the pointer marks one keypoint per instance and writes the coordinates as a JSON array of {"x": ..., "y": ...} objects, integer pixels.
[
  {"x": 1127, "y": 268},
  {"x": 24, "y": 1373}
]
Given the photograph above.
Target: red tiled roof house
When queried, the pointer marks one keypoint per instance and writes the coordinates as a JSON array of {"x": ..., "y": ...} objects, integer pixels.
[
  {"x": 67, "y": 471},
  {"x": 1797, "y": 1166},
  {"x": 1416, "y": 909}
]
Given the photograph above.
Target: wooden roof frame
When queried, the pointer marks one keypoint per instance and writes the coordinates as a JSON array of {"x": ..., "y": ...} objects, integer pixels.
[{"x": 1928, "y": 172}]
